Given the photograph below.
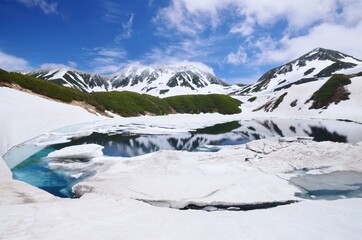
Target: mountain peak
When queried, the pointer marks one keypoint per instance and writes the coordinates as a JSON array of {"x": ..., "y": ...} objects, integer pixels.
[
  {"x": 170, "y": 79},
  {"x": 319, "y": 56},
  {"x": 324, "y": 54}
]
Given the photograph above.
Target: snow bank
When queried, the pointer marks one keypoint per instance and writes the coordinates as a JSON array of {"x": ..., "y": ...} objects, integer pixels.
[
  {"x": 114, "y": 204},
  {"x": 256, "y": 172},
  {"x": 24, "y": 116},
  {"x": 104, "y": 218},
  {"x": 85, "y": 151},
  {"x": 15, "y": 192},
  {"x": 113, "y": 207}
]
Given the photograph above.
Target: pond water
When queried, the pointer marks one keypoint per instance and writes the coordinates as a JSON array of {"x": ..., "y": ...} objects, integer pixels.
[
  {"x": 329, "y": 186},
  {"x": 51, "y": 175}
]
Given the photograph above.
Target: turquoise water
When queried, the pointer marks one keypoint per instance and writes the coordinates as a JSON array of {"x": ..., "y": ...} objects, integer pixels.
[{"x": 37, "y": 170}]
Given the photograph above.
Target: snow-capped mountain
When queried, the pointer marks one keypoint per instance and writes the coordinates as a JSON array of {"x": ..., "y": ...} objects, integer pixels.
[
  {"x": 315, "y": 65},
  {"x": 158, "y": 81},
  {"x": 82, "y": 81},
  {"x": 167, "y": 81},
  {"x": 323, "y": 83}
]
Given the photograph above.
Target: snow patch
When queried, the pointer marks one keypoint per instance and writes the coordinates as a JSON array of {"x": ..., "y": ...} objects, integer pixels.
[{"x": 85, "y": 151}]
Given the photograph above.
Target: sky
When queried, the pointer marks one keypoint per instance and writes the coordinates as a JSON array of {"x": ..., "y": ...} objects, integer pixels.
[{"x": 237, "y": 40}]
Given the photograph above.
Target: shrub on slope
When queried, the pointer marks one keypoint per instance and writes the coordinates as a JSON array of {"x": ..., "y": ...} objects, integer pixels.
[
  {"x": 131, "y": 104},
  {"x": 332, "y": 91},
  {"x": 124, "y": 103},
  {"x": 47, "y": 89},
  {"x": 204, "y": 103}
]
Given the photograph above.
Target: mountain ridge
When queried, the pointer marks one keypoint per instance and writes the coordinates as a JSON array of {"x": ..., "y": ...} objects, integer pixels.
[
  {"x": 171, "y": 80},
  {"x": 312, "y": 66},
  {"x": 161, "y": 80}
]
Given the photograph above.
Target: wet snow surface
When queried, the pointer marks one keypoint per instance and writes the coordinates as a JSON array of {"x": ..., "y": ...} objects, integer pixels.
[
  {"x": 57, "y": 167},
  {"x": 214, "y": 187},
  {"x": 251, "y": 190}
]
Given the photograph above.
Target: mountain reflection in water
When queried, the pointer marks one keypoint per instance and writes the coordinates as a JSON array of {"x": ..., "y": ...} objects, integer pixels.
[
  {"x": 231, "y": 133},
  {"x": 36, "y": 170}
]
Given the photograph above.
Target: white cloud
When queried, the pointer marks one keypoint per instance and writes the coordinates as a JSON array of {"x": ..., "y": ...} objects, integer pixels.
[
  {"x": 178, "y": 17},
  {"x": 351, "y": 13},
  {"x": 46, "y": 7},
  {"x": 172, "y": 63},
  {"x": 237, "y": 58},
  {"x": 72, "y": 64},
  {"x": 305, "y": 25},
  {"x": 254, "y": 22},
  {"x": 191, "y": 17},
  {"x": 199, "y": 65},
  {"x": 55, "y": 65},
  {"x": 325, "y": 35},
  {"x": 245, "y": 79},
  {"x": 112, "y": 12},
  {"x": 12, "y": 63},
  {"x": 298, "y": 13},
  {"x": 127, "y": 30},
  {"x": 245, "y": 28},
  {"x": 107, "y": 60},
  {"x": 188, "y": 49},
  {"x": 107, "y": 69},
  {"x": 110, "y": 52}
]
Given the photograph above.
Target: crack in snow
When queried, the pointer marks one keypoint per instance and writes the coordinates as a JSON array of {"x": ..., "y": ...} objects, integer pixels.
[{"x": 216, "y": 206}]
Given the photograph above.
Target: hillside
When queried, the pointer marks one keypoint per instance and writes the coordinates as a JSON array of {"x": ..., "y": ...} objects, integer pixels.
[
  {"x": 320, "y": 84},
  {"x": 316, "y": 65},
  {"x": 122, "y": 103}
]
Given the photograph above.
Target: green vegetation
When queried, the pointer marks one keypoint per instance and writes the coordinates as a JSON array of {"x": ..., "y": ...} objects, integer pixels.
[
  {"x": 332, "y": 91},
  {"x": 252, "y": 99},
  {"x": 204, "y": 103},
  {"x": 301, "y": 81},
  {"x": 48, "y": 89},
  {"x": 279, "y": 100},
  {"x": 327, "y": 72},
  {"x": 131, "y": 104},
  {"x": 124, "y": 103}
]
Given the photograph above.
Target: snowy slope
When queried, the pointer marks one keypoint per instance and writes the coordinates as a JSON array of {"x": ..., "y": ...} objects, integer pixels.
[
  {"x": 316, "y": 65},
  {"x": 140, "y": 197},
  {"x": 132, "y": 198},
  {"x": 286, "y": 91},
  {"x": 82, "y": 81},
  {"x": 168, "y": 81},
  {"x": 25, "y": 116},
  {"x": 158, "y": 81}
]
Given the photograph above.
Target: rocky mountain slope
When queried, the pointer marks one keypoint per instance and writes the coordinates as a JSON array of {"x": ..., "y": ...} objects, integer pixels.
[
  {"x": 82, "y": 81},
  {"x": 157, "y": 81},
  {"x": 315, "y": 65},
  {"x": 322, "y": 83}
]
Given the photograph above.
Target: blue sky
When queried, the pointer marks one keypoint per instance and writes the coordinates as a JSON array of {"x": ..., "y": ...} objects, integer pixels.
[{"x": 238, "y": 40}]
